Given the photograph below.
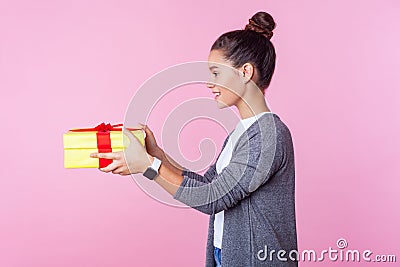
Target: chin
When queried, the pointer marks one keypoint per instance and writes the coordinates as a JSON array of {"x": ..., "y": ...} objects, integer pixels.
[
  {"x": 221, "y": 105},
  {"x": 224, "y": 102}
]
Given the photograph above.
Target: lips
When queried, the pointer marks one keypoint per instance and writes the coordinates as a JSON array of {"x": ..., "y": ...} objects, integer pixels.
[{"x": 217, "y": 94}]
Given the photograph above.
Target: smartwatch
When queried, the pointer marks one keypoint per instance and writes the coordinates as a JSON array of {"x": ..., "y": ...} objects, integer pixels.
[{"x": 152, "y": 171}]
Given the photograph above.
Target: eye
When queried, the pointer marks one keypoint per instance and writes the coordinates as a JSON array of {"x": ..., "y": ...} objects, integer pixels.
[{"x": 215, "y": 74}]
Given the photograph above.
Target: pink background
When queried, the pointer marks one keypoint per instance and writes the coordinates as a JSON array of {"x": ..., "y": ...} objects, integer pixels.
[{"x": 67, "y": 64}]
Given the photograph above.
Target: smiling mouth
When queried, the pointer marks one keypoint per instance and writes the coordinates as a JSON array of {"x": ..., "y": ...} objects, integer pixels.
[{"x": 217, "y": 94}]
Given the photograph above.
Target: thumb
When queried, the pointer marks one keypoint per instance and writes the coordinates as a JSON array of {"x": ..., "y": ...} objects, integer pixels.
[
  {"x": 130, "y": 135},
  {"x": 146, "y": 129}
]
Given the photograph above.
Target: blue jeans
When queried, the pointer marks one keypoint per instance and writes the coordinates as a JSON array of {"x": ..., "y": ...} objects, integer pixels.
[{"x": 217, "y": 256}]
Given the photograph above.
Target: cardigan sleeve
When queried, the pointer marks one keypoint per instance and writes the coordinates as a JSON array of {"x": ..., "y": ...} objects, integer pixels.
[
  {"x": 252, "y": 164},
  {"x": 206, "y": 178}
]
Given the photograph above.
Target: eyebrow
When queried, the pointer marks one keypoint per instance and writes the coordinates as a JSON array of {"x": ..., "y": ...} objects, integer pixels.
[{"x": 213, "y": 67}]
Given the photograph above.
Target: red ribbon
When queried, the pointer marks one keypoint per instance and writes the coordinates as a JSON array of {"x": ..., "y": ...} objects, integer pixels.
[
  {"x": 102, "y": 127},
  {"x": 103, "y": 139}
]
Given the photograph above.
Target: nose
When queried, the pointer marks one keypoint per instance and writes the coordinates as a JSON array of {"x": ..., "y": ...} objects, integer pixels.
[{"x": 209, "y": 84}]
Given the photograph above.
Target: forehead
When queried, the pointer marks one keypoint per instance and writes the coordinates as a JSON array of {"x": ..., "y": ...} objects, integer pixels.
[{"x": 216, "y": 58}]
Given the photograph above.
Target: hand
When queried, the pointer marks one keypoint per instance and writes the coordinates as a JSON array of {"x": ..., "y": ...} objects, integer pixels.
[
  {"x": 150, "y": 141},
  {"x": 118, "y": 166},
  {"x": 133, "y": 160}
]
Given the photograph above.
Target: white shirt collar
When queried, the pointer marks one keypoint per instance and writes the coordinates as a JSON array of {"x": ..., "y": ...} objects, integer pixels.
[{"x": 246, "y": 123}]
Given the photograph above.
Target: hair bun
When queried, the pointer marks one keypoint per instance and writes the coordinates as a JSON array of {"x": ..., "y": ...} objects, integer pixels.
[{"x": 263, "y": 23}]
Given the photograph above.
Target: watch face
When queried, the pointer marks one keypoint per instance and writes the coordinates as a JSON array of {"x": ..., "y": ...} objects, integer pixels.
[{"x": 150, "y": 173}]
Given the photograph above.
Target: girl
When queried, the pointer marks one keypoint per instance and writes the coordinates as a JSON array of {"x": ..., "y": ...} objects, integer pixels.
[{"x": 249, "y": 192}]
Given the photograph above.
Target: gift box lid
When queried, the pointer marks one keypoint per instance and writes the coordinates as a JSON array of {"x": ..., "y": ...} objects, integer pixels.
[{"x": 81, "y": 139}]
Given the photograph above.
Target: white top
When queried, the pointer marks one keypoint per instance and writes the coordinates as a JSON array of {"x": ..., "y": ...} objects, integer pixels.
[{"x": 223, "y": 161}]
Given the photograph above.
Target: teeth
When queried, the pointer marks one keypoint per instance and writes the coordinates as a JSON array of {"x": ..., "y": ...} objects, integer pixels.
[{"x": 217, "y": 93}]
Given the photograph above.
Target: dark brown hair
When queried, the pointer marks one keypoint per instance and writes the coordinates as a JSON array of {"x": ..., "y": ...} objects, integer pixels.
[{"x": 252, "y": 45}]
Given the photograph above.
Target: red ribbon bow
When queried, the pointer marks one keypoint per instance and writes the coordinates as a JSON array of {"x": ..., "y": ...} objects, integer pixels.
[
  {"x": 102, "y": 127},
  {"x": 106, "y": 127}
]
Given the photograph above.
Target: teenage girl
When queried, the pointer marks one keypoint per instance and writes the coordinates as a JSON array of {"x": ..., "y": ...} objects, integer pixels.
[{"x": 249, "y": 192}]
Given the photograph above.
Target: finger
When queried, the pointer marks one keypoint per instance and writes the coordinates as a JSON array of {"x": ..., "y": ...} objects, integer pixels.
[
  {"x": 143, "y": 127},
  {"x": 110, "y": 167},
  {"x": 109, "y": 155},
  {"x": 146, "y": 129},
  {"x": 118, "y": 170}
]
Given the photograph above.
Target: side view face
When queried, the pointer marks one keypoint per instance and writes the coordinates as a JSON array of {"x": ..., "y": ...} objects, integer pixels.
[{"x": 226, "y": 82}]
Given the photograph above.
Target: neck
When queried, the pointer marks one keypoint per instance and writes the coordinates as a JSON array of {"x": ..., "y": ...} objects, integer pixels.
[{"x": 252, "y": 103}]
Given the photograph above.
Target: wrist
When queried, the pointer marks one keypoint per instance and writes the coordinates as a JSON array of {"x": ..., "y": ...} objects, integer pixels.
[
  {"x": 149, "y": 163},
  {"x": 152, "y": 169},
  {"x": 151, "y": 159},
  {"x": 159, "y": 153}
]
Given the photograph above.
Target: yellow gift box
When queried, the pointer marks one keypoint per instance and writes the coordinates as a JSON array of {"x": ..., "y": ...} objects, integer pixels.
[{"x": 79, "y": 143}]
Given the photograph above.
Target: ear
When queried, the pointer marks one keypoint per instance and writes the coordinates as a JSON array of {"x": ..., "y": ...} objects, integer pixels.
[{"x": 247, "y": 72}]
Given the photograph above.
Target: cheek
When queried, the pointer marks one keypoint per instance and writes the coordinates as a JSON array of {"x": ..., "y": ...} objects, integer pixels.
[
  {"x": 228, "y": 97},
  {"x": 232, "y": 88},
  {"x": 229, "y": 86}
]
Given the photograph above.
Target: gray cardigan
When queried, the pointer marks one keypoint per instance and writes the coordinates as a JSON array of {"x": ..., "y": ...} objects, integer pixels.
[{"x": 256, "y": 190}]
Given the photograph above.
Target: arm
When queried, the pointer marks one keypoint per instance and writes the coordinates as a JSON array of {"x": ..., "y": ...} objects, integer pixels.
[
  {"x": 154, "y": 150},
  {"x": 173, "y": 166},
  {"x": 252, "y": 164},
  {"x": 169, "y": 162}
]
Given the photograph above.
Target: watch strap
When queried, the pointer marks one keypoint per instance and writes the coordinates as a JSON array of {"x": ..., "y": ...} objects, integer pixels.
[{"x": 156, "y": 164}]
